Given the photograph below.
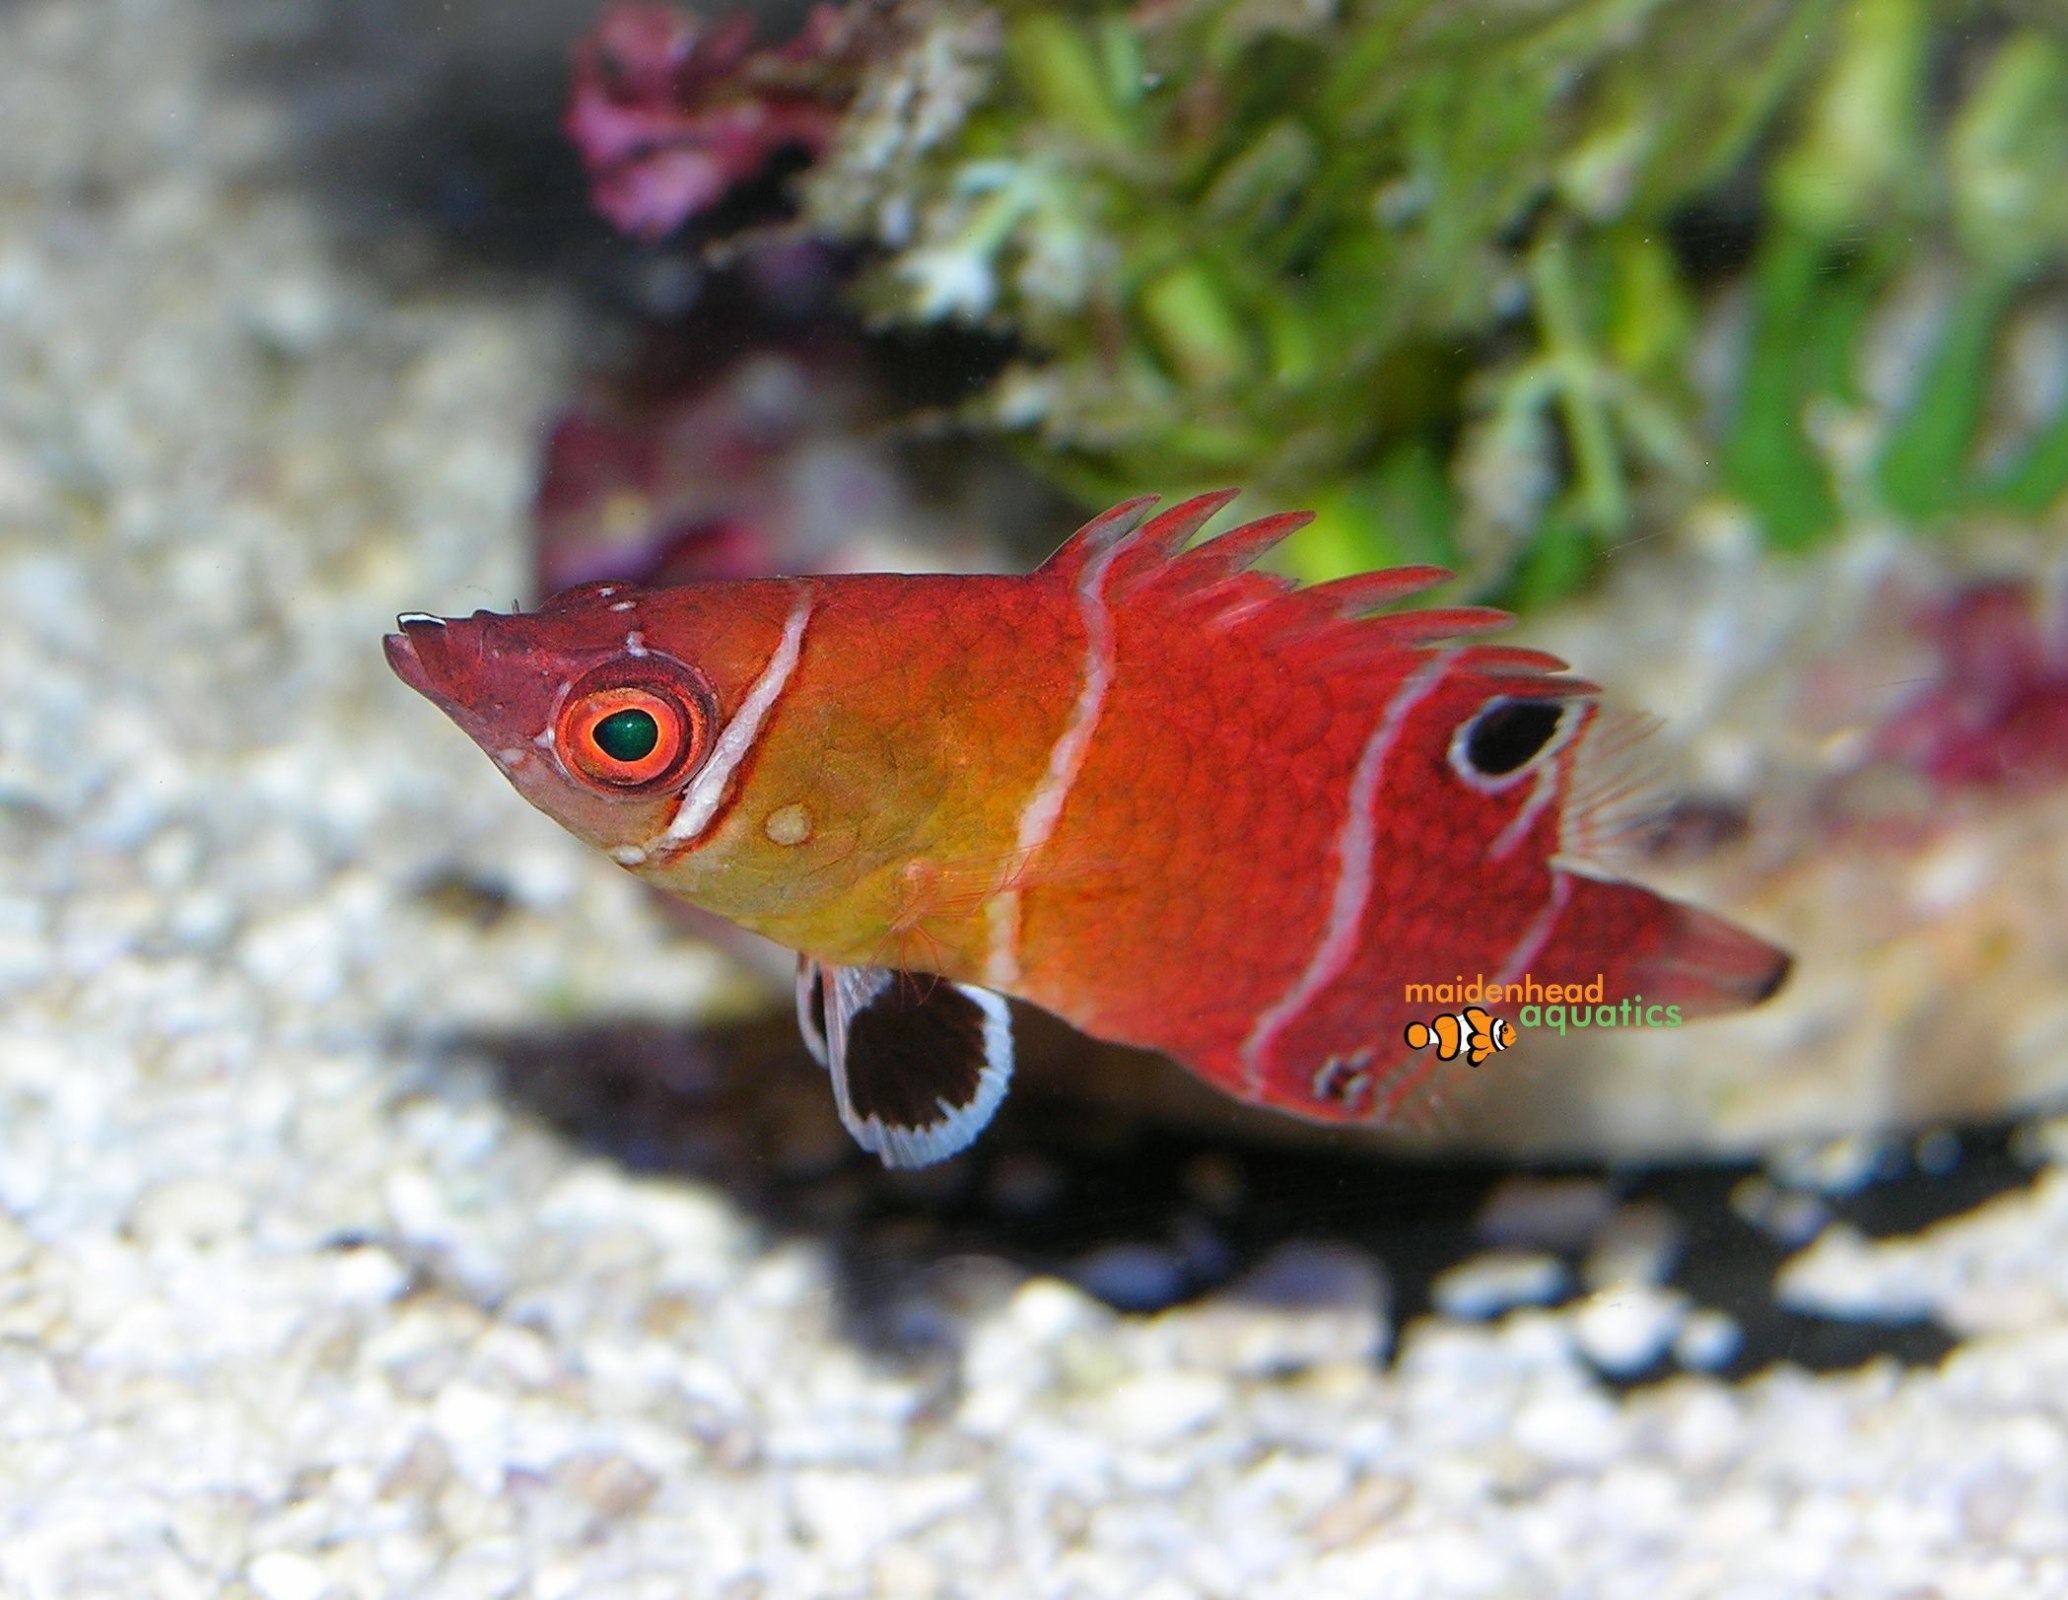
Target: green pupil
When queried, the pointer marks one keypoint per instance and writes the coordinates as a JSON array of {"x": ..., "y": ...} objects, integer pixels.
[{"x": 628, "y": 735}]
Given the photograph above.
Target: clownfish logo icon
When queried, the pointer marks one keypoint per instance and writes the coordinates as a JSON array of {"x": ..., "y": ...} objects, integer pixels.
[{"x": 1473, "y": 1033}]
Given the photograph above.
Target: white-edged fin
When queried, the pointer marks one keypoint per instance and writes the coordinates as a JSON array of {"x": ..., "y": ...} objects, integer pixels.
[
  {"x": 811, "y": 1007},
  {"x": 919, "y": 1064}
]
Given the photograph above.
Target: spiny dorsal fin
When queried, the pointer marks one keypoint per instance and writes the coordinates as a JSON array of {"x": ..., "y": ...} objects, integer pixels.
[
  {"x": 1147, "y": 565},
  {"x": 1362, "y": 593},
  {"x": 1145, "y": 552},
  {"x": 1096, "y": 537}
]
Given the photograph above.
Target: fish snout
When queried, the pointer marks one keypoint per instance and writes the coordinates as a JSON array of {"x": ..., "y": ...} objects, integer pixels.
[
  {"x": 420, "y": 654},
  {"x": 481, "y": 671}
]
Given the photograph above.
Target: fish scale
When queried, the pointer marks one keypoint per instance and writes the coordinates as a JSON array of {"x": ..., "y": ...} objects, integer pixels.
[
  {"x": 1241, "y": 839},
  {"x": 1178, "y": 802}
]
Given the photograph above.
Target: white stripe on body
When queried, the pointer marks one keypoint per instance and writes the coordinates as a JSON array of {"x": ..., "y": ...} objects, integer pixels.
[
  {"x": 1531, "y": 944},
  {"x": 1519, "y": 826},
  {"x": 1574, "y": 721},
  {"x": 701, "y": 799},
  {"x": 1065, "y": 760},
  {"x": 1355, "y": 842}
]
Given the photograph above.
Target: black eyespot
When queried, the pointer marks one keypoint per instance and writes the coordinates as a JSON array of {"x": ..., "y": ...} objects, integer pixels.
[{"x": 1507, "y": 735}]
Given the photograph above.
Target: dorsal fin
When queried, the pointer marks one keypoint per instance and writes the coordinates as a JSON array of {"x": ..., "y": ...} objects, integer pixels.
[
  {"x": 1144, "y": 553},
  {"x": 1145, "y": 564},
  {"x": 1096, "y": 537},
  {"x": 1362, "y": 593}
]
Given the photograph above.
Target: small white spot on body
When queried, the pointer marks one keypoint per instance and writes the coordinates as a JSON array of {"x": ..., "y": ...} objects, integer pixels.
[
  {"x": 635, "y": 643},
  {"x": 628, "y": 855},
  {"x": 789, "y": 824},
  {"x": 626, "y": 605},
  {"x": 512, "y": 758}
]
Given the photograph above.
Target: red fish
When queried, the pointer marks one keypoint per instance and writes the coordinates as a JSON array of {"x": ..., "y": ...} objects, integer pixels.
[{"x": 1180, "y": 803}]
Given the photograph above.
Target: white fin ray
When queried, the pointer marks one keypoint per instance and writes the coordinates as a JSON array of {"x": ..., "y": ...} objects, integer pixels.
[{"x": 1618, "y": 790}]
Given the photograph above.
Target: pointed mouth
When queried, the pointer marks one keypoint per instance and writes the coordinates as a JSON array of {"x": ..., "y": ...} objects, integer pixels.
[{"x": 411, "y": 652}]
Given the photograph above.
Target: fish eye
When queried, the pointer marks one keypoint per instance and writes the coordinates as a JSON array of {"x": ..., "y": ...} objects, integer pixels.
[
  {"x": 628, "y": 735},
  {"x": 635, "y": 726},
  {"x": 1503, "y": 737}
]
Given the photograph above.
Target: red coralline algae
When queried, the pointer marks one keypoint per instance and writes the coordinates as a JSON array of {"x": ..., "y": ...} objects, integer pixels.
[
  {"x": 1994, "y": 715},
  {"x": 658, "y": 482},
  {"x": 671, "y": 113}
]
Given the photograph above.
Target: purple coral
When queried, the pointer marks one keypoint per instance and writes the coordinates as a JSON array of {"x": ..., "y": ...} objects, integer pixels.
[
  {"x": 671, "y": 113},
  {"x": 667, "y": 481}
]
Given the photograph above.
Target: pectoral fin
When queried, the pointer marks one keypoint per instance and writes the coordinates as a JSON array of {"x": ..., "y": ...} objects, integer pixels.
[
  {"x": 811, "y": 1007},
  {"x": 919, "y": 1064}
]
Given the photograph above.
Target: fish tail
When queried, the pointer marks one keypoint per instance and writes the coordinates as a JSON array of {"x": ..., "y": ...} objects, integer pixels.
[{"x": 1671, "y": 954}]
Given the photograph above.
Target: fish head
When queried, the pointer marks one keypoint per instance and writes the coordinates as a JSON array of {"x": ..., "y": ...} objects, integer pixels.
[{"x": 581, "y": 705}]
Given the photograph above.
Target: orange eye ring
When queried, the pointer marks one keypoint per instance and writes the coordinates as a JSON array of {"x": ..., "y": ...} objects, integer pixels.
[{"x": 637, "y": 726}]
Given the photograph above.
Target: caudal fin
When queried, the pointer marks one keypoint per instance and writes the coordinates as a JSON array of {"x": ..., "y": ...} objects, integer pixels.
[{"x": 1672, "y": 954}]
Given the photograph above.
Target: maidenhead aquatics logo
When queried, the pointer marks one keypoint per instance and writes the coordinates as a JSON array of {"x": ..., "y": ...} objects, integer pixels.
[{"x": 1474, "y": 1032}]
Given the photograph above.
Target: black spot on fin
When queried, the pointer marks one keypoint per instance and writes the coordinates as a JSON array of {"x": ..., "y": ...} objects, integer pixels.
[{"x": 919, "y": 1064}]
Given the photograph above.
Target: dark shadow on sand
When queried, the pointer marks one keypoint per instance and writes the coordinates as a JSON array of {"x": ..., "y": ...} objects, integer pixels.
[{"x": 1150, "y": 1215}]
